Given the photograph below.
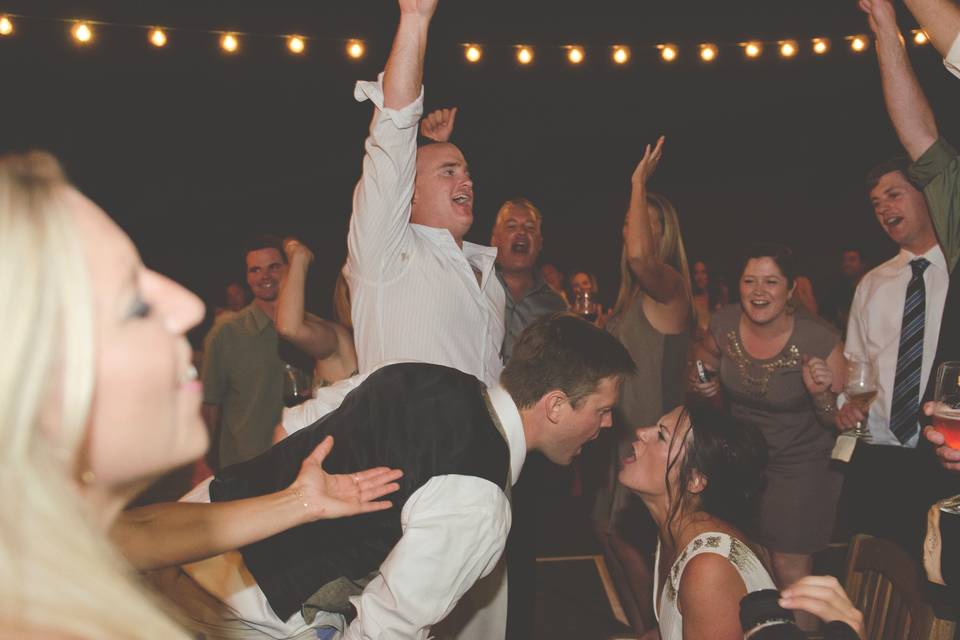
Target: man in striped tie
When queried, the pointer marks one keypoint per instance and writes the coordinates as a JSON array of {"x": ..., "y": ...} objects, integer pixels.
[{"x": 894, "y": 322}]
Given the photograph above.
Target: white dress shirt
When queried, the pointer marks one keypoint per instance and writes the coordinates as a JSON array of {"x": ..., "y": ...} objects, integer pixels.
[
  {"x": 454, "y": 532},
  {"x": 873, "y": 332},
  {"x": 414, "y": 292}
]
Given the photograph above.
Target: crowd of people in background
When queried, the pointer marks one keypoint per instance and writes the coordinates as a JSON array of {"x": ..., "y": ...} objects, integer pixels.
[{"x": 377, "y": 474}]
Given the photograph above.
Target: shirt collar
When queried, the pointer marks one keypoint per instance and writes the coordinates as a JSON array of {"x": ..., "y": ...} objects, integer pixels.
[
  {"x": 512, "y": 424},
  {"x": 260, "y": 319},
  {"x": 538, "y": 284},
  {"x": 934, "y": 256}
]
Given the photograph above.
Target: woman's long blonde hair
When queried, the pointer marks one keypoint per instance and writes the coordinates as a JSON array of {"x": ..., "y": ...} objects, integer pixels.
[
  {"x": 59, "y": 572},
  {"x": 671, "y": 251}
]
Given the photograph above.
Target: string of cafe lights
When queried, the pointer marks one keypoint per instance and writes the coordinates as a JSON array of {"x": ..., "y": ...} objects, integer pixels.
[{"x": 84, "y": 33}]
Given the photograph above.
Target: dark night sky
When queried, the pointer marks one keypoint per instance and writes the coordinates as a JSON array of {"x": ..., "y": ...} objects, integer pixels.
[{"x": 191, "y": 151}]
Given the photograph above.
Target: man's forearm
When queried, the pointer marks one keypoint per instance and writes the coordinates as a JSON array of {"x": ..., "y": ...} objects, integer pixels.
[
  {"x": 403, "y": 76},
  {"x": 940, "y": 19},
  {"x": 906, "y": 103}
]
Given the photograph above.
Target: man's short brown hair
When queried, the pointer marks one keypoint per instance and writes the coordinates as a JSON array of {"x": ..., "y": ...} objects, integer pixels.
[{"x": 562, "y": 351}]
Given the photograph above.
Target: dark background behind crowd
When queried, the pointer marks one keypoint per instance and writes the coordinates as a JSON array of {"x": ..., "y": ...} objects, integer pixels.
[{"x": 193, "y": 151}]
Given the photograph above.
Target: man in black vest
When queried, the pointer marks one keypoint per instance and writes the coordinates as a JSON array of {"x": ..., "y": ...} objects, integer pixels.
[{"x": 460, "y": 446}]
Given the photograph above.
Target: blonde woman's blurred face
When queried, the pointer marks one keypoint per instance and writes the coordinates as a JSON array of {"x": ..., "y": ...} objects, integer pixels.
[{"x": 145, "y": 418}]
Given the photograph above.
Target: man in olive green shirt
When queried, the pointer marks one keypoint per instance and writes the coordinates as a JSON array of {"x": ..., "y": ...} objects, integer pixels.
[
  {"x": 935, "y": 168},
  {"x": 242, "y": 368}
]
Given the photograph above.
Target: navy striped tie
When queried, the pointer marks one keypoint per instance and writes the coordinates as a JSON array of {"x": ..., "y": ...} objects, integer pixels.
[{"x": 906, "y": 384}]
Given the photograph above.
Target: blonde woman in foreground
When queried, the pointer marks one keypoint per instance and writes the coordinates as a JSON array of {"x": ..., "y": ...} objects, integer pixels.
[{"x": 97, "y": 399}]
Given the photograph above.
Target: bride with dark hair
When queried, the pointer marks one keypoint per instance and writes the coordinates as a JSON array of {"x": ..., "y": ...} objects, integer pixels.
[{"x": 698, "y": 472}]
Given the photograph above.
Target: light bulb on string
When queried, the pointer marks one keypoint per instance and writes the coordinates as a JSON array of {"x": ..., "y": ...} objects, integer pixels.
[
  {"x": 668, "y": 52},
  {"x": 621, "y": 54},
  {"x": 82, "y": 32},
  {"x": 229, "y": 43},
  {"x": 708, "y": 52},
  {"x": 524, "y": 55},
  {"x": 821, "y": 46},
  {"x": 858, "y": 43},
  {"x": 473, "y": 53},
  {"x": 296, "y": 44},
  {"x": 6, "y": 26},
  {"x": 157, "y": 37},
  {"x": 788, "y": 49},
  {"x": 356, "y": 49},
  {"x": 575, "y": 54},
  {"x": 920, "y": 37},
  {"x": 752, "y": 49}
]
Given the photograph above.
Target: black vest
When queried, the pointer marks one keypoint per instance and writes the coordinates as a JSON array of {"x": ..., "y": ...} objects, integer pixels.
[{"x": 425, "y": 419}]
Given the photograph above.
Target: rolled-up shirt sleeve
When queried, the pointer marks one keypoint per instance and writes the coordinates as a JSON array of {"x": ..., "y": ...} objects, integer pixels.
[
  {"x": 952, "y": 61},
  {"x": 381, "y": 200},
  {"x": 454, "y": 531},
  {"x": 937, "y": 172}
]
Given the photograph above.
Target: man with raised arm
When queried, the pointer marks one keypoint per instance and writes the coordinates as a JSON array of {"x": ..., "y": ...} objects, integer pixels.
[
  {"x": 419, "y": 292},
  {"x": 936, "y": 167}
]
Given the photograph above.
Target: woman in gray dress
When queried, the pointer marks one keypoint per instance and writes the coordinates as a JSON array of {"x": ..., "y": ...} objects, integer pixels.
[
  {"x": 776, "y": 365},
  {"x": 652, "y": 318}
]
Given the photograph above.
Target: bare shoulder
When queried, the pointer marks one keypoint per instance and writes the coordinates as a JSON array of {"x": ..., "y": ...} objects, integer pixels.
[{"x": 710, "y": 578}]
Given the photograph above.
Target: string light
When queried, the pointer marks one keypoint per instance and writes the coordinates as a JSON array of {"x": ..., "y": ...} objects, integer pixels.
[
  {"x": 920, "y": 37},
  {"x": 229, "y": 43},
  {"x": 82, "y": 32},
  {"x": 158, "y": 38},
  {"x": 296, "y": 44},
  {"x": 708, "y": 52},
  {"x": 524, "y": 55},
  {"x": 668, "y": 52},
  {"x": 752, "y": 49},
  {"x": 356, "y": 49},
  {"x": 788, "y": 48}
]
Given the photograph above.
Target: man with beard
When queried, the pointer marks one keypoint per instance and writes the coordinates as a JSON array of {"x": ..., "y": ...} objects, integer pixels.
[
  {"x": 518, "y": 239},
  {"x": 242, "y": 366}
]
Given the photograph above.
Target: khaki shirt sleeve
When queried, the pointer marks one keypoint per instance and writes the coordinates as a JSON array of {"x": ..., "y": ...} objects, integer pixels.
[
  {"x": 937, "y": 172},
  {"x": 214, "y": 375}
]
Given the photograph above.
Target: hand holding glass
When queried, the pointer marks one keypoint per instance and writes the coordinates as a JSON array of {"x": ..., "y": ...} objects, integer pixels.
[
  {"x": 861, "y": 389},
  {"x": 946, "y": 396}
]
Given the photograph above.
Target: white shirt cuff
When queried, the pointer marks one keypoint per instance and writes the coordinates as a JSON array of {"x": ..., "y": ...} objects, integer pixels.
[
  {"x": 952, "y": 61},
  {"x": 408, "y": 116}
]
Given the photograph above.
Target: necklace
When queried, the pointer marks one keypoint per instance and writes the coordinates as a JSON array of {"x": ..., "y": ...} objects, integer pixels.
[{"x": 759, "y": 382}]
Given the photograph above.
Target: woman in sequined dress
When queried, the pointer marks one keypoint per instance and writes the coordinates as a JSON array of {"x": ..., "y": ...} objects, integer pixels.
[{"x": 776, "y": 363}]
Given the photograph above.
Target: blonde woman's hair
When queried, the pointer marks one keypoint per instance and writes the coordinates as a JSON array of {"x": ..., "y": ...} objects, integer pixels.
[
  {"x": 671, "y": 252},
  {"x": 59, "y": 572}
]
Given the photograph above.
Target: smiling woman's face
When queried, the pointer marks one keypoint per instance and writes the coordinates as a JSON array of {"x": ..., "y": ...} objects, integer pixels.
[
  {"x": 145, "y": 416},
  {"x": 764, "y": 290}
]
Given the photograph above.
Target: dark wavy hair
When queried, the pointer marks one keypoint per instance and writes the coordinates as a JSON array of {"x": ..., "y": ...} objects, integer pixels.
[{"x": 731, "y": 455}]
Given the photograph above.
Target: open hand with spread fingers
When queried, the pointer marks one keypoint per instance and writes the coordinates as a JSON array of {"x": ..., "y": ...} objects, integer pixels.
[{"x": 327, "y": 495}]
